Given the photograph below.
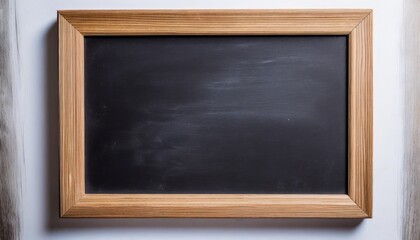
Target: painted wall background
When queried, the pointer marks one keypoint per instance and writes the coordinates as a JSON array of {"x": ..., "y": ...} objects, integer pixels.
[{"x": 38, "y": 53}]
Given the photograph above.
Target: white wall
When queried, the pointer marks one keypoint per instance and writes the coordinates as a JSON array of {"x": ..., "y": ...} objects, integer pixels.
[{"x": 38, "y": 43}]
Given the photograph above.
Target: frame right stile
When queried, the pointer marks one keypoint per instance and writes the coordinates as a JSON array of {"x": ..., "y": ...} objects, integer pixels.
[{"x": 361, "y": 114}]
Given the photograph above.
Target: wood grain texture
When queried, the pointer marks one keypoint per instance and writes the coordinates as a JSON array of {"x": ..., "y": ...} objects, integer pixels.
[
  {"x": 226, "y": 206},
  {"x": 73, "y": 25},
  {"x": 361, "y": 115},
  {"x": 214, "y": 22},
  {"x": 71, "y": 97}
]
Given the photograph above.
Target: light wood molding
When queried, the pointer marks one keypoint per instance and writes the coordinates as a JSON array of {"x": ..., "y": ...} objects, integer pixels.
[
  {"x": 217, "y": 22},
  {"x": 71, "y": 103},
  {"x": 361, "y": 114},
  {"x": 74, "y": 25},
  {"x": 216, "y": 205}
]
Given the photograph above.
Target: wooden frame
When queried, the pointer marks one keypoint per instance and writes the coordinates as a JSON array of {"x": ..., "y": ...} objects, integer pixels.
[{"x": 74, "y": 25}]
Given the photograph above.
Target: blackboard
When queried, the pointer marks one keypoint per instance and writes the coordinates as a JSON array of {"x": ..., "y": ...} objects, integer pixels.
[{"x": 216, "y": 114}]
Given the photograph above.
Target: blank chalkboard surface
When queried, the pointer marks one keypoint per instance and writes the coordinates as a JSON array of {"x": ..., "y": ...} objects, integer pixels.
[{"x": 216, "y": 114}]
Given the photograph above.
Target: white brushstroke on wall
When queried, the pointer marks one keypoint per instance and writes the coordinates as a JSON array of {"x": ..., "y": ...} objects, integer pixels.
[
  {"x": 411, "y": 74},
  {"x": 11, "y": 151}
]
